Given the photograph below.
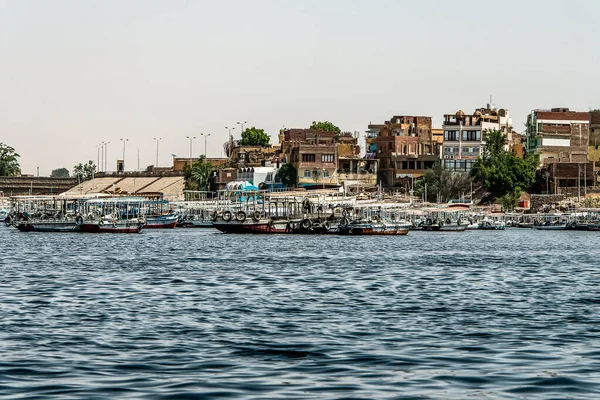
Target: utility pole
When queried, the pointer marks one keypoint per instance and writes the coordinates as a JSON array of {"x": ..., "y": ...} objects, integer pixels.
[
  {"x": 138, "y": 152},
  {"x": 157, "y": 142}
]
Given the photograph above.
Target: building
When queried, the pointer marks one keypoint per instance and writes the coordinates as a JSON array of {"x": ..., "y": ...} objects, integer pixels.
[
  {"x": 558, "y": 135},
  {"x": 464, "y": 135},
  {"x": 405, "y": 148},
  {"x": 327, "y": 158},
  {"x": 561, "y": 139}
]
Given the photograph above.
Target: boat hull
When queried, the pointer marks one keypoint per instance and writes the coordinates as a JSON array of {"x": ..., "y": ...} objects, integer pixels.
[
  {"x": 48, "y": 227},
  {"x": 551, "y": 227},
  {"x": 364, "y": 231},
  {"x": 119, "y": 227},
  {"x": 161, "y": 222},
  {"x": 262, "y": 226}
]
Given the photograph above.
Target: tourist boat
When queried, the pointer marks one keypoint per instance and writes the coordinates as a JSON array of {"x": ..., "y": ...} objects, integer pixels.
[
  {"x": 43, "y": 213},
  {"x": 112, "y": 215},
  {"x": 111, "y": 225},
  {"x": 379, "y": 227},
  {"x": 3, "y": 215},
  {"x": 256, "y": 222},
  {"x": 161, "y": 221}
]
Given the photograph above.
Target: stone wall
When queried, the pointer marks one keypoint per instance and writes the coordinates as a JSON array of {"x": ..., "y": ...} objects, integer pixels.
[{"x": 540, "y": 201}]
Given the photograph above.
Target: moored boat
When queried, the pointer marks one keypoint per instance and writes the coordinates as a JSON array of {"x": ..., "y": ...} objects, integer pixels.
[
  {"x": 166, "y": 221},
  {"x": 380, "y": 227},
  {"x": 112, "y": 226}
]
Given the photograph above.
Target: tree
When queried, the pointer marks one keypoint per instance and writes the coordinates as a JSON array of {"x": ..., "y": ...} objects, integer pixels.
[
  {"x": 325, "y": 126},
  {"x": 84, "y": 171},
  {"x": 9, "y": 163},
  {"x": 199, "y": 174},
  {"x": 442, "y": 184},
  {"x": 503, "y": 173},
  {"x": 255, "y": 137},
  {"x": 288, "y": 175},
  {"x": 59, "y": 173}
]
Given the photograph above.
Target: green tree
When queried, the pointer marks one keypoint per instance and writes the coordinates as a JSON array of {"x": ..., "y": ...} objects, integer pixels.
[
  {"x": 503, "y": 173},
  {"x": 84, "y": 171},
  {"x": 9, "y": 163},
  {"x": 199, "y": 175},
  {"x": 60, "y": 173},
  {"x": 288, "y": 175},
  {"x": 325, "y": 126},
  {"x": 255, "y": 137},
  {"x": 442, "y": 184}
]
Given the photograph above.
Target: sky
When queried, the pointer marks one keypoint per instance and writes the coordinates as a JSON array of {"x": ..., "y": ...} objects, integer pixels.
[{"x": 76, "y": 73}]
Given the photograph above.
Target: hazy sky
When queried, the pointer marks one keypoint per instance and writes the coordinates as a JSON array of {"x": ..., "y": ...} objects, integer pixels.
[{"x": 75, "y": 73}]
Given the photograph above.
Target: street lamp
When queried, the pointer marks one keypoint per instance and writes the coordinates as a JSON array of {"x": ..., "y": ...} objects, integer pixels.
[
  {"x": 98, "y": 162},
  {"x": 230, "y": 129},
  {"x": 191, "y": 138},
  {"x": 123, "y": 161},
  {"x": 105, "y": 155},
  {"x": 242, "y": 125},
  {"x": 206, "y": 135},
  {"x": 157, "y": 142},
  {"x": 101, "y": 163}
]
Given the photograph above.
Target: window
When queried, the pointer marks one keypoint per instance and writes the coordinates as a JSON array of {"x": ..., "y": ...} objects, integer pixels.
[
  {"x": 328, "y": 158},
  {"x": 308, "y": 158},
  {"x": 451, "y": 135},
  {"x": 471, "y": 135},
  {"x": 307, "y": 173},
  {"x": 325, "y": 174}
]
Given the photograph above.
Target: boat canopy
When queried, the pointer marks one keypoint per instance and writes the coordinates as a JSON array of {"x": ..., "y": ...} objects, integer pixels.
[{"x": 241, "y": 185}]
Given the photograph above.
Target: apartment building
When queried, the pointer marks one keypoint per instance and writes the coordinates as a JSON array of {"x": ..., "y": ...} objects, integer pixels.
[{"x": 464, "y": 135}]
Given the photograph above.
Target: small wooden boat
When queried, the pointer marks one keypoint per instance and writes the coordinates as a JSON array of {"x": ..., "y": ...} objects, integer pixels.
[
  {"x": 379, "y": 227},
  {"x": 167, "y": 221}
]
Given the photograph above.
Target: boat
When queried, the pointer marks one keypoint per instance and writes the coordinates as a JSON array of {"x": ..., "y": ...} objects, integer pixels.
[
  {"x": 256, "y": 222},
  {"x": 379, "y": 227},
  {"x": 43, "y": 213},
  {"x": 436, "y": 225},
  {"x": 161, "y": 221},
  {"x": 112, "y": 225},
  {"x": 111, "y": 215},
  {"x": 551, "y": 227}
]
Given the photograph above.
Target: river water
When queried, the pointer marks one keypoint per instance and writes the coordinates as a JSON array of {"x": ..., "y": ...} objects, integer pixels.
[{"x": 192, "y": 314}]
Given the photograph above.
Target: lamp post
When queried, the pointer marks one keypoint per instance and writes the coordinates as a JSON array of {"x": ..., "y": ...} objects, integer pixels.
[
  {"x": 101, "y": 163},
  {"x": 206, "y": 135},
  {"x": 123, "y": 161},
  {"x": 157, "y": 142},
  {"x": 242, "y": 125},
  {"x": 191, "y": 138},
  {"x": 105, "y": 155},
  {"x": 98, "y": 162}
]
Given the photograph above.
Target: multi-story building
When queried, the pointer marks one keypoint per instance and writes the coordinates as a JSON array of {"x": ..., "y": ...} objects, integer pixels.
[
  {"x": 558, "y": 135},
  {"x": 327, "y": 158},
  {"x": 464, "y": 135},
  {"x": 561, "y": 137},
  {"x": 404, "y": 146}
]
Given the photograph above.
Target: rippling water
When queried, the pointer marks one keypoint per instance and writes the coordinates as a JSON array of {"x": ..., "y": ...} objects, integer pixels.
[{"x": 190, "y": 314}]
